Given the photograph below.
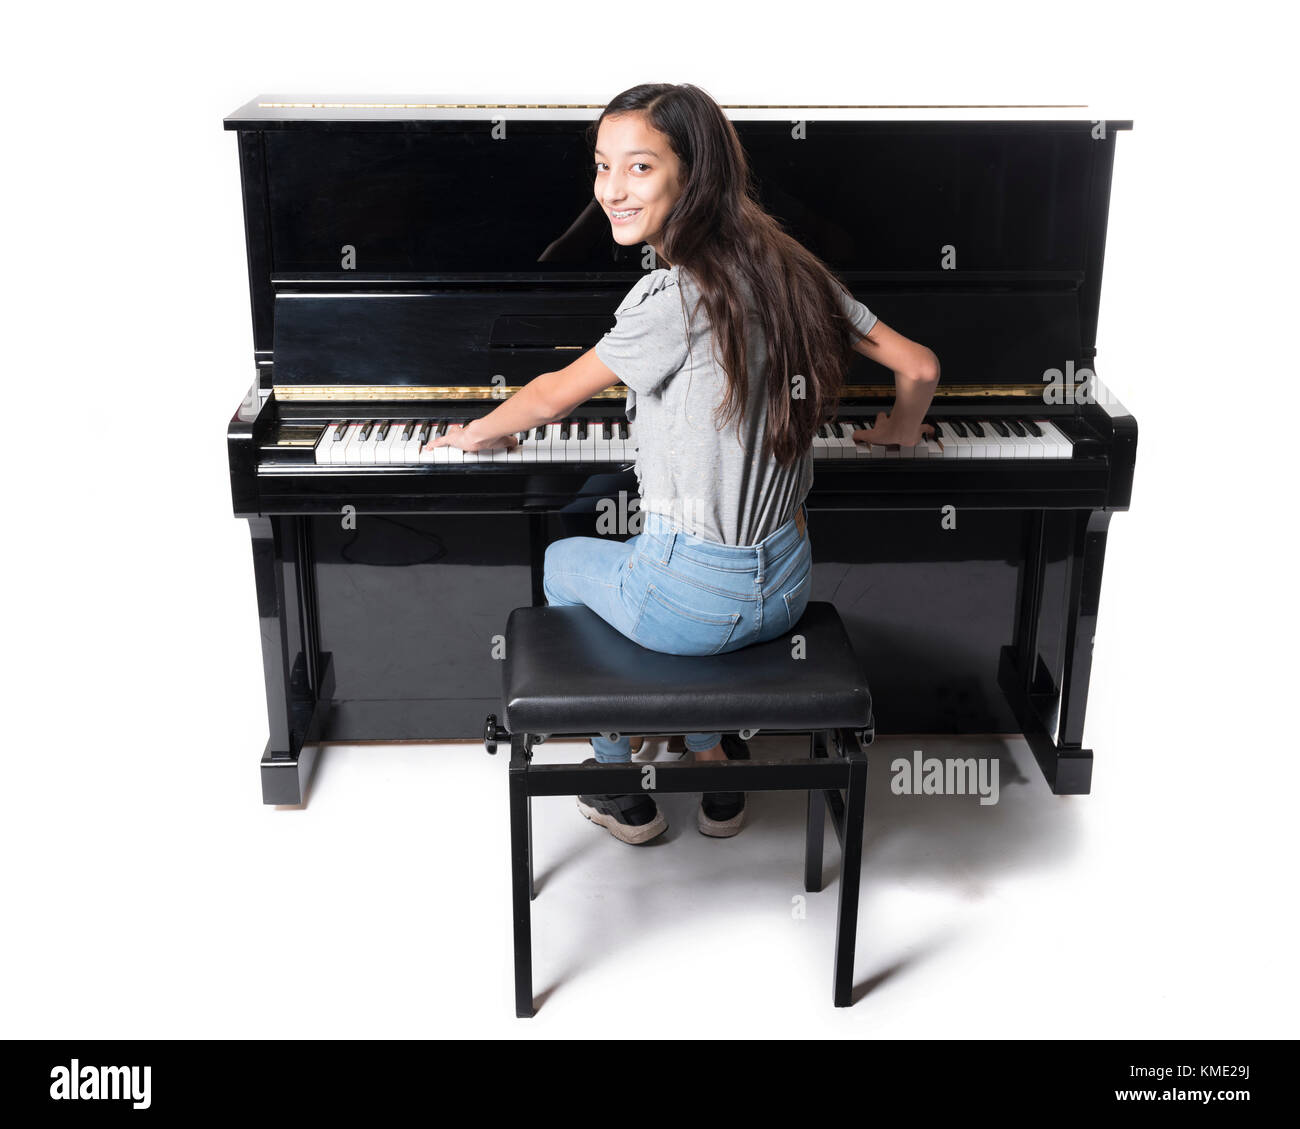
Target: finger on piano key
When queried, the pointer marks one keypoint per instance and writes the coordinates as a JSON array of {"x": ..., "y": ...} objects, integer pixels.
[{"x": 848, "y": 448}]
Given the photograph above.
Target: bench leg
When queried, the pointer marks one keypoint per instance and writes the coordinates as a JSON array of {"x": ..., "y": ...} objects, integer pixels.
[
  {"x": 816, "y": 834},
  {"x": 521, "y": 867},
  {"x": 846, "y": 928}
]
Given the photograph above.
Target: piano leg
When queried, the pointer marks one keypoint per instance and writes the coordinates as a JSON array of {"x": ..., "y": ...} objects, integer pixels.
[
  {"x": 1081, "y": 628},
  {"x": 291, "y": 666},
  {"x": 1040, "y": 706}
]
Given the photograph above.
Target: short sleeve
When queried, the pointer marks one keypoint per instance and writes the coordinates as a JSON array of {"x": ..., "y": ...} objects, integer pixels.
[
  {"x": 861, "y": 318},
  {"x": 648, "y": 342}
]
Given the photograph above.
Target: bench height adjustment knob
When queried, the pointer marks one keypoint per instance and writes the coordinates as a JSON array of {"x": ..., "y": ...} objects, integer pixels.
[{"x": 491, "y": 733}]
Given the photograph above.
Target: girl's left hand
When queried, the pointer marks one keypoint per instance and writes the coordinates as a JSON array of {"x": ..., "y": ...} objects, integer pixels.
[{"x": 459, "y": 435}]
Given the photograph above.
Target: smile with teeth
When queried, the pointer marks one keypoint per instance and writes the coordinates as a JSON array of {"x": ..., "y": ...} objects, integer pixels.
[{"x": 624, "y": 215}]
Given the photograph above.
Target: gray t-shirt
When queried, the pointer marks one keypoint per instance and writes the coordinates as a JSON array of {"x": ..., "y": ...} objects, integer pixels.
[{"x": 701, "y": 478}]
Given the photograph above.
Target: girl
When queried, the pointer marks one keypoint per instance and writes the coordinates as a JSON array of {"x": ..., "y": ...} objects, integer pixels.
[{"x": 744, "y": 326}]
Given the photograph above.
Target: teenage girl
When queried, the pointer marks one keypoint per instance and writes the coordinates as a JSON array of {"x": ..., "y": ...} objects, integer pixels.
[{"x": 744, "y": 326}]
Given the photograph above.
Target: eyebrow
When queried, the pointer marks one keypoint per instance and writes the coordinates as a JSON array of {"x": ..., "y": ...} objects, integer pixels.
[{"x": 632, "y": 153}]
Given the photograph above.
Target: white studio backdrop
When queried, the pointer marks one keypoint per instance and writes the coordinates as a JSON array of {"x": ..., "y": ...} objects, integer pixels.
[{"x": 148, "y": 891}]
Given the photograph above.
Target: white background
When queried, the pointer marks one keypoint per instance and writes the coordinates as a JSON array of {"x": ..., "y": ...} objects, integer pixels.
[{"x": 145, "y": 889}]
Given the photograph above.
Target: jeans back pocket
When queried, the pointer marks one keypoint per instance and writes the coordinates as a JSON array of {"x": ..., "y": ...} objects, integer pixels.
[
  {"x": 796, "y": 599},
  {"x": 666, "y": 624}
]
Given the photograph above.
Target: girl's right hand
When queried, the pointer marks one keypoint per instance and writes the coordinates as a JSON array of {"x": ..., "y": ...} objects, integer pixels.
[{"x": 884, "y": 433}]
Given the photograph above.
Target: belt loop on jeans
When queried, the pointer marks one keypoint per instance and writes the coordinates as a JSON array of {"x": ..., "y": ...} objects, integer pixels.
[{"x": 670, "y": 539}]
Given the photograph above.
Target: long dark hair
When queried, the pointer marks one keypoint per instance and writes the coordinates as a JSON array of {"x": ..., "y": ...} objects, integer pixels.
[{"x": 718, "y": 231}]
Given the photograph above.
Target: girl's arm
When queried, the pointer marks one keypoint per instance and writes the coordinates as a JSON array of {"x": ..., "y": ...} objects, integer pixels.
[
  {"x": 916, "y": 374},
  {"x": 544, "y": 399}
]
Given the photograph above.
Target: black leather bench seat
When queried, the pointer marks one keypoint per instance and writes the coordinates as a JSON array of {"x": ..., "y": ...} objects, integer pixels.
[{"x": 568, "y": 671}]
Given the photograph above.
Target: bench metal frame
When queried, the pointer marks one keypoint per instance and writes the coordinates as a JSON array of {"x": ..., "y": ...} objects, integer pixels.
[{"x": 834, "y": 775}]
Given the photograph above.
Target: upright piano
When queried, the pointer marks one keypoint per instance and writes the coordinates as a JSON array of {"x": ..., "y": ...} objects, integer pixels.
[{"x": 410, "y": 265}]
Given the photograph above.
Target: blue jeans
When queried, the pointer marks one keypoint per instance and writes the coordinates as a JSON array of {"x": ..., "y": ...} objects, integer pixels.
[{"x": 683, "y": 595}]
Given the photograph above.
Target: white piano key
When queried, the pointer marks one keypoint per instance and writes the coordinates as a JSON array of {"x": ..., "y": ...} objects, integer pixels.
[
  {"x": 1037, "y": 448},
  {"x": 933, "y": 449},
  {"x": 528, "y": 449},
  {"x": 1059, "y": 445},
  {"x": 983, "y": 445},
  {"x": 366, "y": 446},
  {"x": 384, "y": 446},
  {"x": 821, "y": 445},
  {"x": 999, "y": 446},
  {"x": 327, "y": 444},
  {"x": 956, "y": 446},
  {"x": 844, "y": 440},
  {"x": 352, "y": 444}
]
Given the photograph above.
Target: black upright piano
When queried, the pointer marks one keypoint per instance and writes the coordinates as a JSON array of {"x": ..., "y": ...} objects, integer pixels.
[{"x": 410, "y": 265}]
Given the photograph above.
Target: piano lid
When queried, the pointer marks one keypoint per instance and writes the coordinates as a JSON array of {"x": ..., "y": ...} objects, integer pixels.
[
  {"x": 285, "y": 111},
  {"x": 981, "y": 236}
]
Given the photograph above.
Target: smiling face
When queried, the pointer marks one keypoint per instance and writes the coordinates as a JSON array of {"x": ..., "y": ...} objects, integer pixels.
[{"x": 638, "y": 179}]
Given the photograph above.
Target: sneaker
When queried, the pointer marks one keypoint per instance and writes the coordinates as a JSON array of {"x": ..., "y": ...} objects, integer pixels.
[
  {"x": 632, "y": 818},
  {"x": 722, "y": 813}
]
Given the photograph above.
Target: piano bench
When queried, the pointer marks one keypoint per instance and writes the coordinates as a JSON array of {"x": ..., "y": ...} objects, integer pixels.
[{"x": 568, "y": 673}]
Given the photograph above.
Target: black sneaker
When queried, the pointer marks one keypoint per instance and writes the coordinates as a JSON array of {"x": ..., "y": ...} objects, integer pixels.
[
  {"x": 632, "y": 818},
  {"x": 722, "y": 813}
]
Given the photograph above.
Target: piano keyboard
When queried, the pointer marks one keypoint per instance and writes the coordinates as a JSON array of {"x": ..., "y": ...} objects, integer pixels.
[{"x": 401, "y": 443}]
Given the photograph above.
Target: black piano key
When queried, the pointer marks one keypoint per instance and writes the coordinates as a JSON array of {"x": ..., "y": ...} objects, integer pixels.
[
  {"x": 1030, "y": 426},
  {"x": 540, "y": 433},
  {"x": 958, "y": 427},
  {"x": 623, "y": 432},
  {"x": 522, "y": 436},
  {"x": 364, "y": 433},
  {"x": 384, "y": 428},
  {"x": 340, "y": 431},
  {"x": 999, "y": 429},
  {"x": 974, "y": 428},
  {"x": 564, "y": 431},
  {"x": 582, "y": 429},
  {"x": 425, "y": 428},
  {"x": 607, "y": 430},
  {"x": 1015, "y": 428},
  {"x": 442, "y": 427},
  {"x": 408, "y": 431}
]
